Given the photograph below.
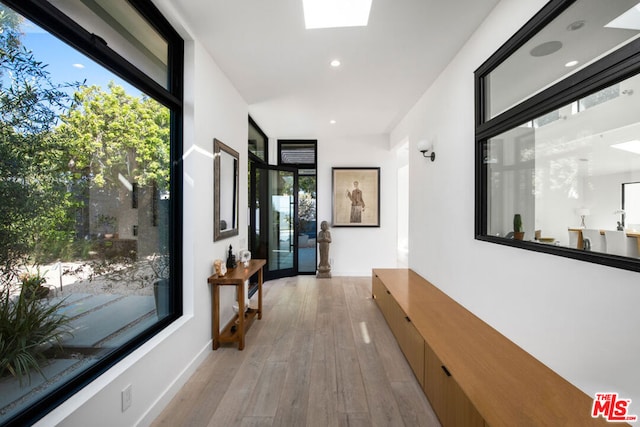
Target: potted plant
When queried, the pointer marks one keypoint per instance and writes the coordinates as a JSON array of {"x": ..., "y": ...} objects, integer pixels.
[{"x": 518, "y": 231}]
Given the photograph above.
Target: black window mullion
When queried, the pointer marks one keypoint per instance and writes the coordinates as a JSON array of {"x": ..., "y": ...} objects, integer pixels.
[{"x": 614, "y": 68}]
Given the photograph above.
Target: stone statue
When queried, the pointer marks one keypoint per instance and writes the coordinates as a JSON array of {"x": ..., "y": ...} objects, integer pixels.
[{"x": 324, "y": 239}]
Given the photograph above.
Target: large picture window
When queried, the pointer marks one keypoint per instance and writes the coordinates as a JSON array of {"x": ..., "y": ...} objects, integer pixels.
[
  {"x": 555, "y": 146},
  {"x": 90, "y": 223}
]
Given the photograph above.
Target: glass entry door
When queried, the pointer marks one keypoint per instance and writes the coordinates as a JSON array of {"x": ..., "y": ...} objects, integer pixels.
[{"x": 273, "y": 219}]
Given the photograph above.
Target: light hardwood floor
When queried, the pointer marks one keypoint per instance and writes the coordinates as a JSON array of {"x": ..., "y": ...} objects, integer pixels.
[{"x": 322, "y": 355}]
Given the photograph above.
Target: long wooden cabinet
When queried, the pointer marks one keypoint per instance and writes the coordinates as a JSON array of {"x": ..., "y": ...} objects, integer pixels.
[
  {"x": 408, "y": 337},
  {"x": 471, "y": 374}
]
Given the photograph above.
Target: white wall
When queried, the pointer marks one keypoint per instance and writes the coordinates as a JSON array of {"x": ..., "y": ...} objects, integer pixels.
[
  {"x": 355, "y": 251},
  {"x": 213, "y": 109},
  {"x": 580, "y": 319}
]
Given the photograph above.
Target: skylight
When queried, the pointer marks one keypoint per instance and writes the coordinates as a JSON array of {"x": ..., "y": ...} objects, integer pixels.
[
  {"x": 630, "y": 20},
  {"x": 336, "y": 13},
  {"x": 631, "y": 146}
]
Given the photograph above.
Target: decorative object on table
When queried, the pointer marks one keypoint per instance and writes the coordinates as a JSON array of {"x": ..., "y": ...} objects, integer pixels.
[
  {"x": 231, "y": 259},
  {"x": 518, "y": 231},
  {"x": 324, "y": 239},
  {"x": 356, "y": 197},
  {"x": 245, "y": 257},
  {"x": 219, "y": 267},
  {"x": 583, "y": 212}
]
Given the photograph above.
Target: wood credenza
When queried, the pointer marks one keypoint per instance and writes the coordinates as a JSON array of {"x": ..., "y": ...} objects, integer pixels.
[{"x": 471, "y": 374}]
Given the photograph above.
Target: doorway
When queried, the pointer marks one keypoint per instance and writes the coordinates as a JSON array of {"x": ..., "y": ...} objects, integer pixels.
[
  {"x": 282, "y": 205},
  {"x": 301, "y": 155},
  {"x": 272, "y": 221}
]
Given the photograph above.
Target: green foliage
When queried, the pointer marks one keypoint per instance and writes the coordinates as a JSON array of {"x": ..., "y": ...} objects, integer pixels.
[
  {"x": 31, "y": 184},
  {"x": 113, "y": 134},
  {"x": 54, "y": 147},
  {"x": 29, "y": 325},
  {"x": 306, "y": 211}
]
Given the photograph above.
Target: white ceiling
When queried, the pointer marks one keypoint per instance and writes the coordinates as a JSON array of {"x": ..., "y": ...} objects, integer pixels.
[{"x": 283, "y": 73}]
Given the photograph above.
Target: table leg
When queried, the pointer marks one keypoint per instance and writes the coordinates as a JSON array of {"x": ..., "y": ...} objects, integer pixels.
[
  {"x": 241, "y": 315},
  {"x": 215, "y": 316},
  {"x": 260, "y": 292}
]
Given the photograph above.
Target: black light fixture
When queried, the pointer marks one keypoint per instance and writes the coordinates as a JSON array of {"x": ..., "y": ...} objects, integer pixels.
[{"x": 424, "y": 147}]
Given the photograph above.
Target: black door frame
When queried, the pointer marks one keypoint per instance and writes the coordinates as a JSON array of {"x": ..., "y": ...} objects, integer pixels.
[{"x": 258, "y": 249}]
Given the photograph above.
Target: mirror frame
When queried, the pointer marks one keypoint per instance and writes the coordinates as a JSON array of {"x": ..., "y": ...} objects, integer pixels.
[{"x": 218, "y": 148}]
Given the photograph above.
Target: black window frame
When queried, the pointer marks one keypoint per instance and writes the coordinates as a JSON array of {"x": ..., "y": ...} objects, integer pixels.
[
  {"x": 612, "y": 68},
  {"x": 252, "y": 156},
  {"x": 59, "y": 25},
  {"x": 294, "y": 142}
]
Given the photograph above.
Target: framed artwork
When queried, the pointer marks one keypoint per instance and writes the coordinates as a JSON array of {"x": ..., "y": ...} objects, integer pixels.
[{"x": 355, "y": 197}]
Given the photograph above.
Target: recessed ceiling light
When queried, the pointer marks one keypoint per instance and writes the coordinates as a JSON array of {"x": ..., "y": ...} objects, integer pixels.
[
  {"x": 571, "y": 64},
  {"x": 333, "y": 122},
  {"x": 631, "y": 146},
  {"x": 335, "y": 63},
  {"x": 336, "y": 13},
  {"x": 78, "y": 66}
]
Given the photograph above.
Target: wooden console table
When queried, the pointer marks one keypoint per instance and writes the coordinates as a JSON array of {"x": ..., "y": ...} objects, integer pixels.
[{"x": 238, "y": 326}]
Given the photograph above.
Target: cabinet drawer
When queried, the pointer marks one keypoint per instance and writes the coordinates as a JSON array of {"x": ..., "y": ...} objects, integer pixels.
[
  {"x": 382, "y": 296},
  {"x": 447, "y": 399},
  {"x": 412, "y": 345},
  {"x": 409, "y": 339},
  {"x": 378, "y": 290}
]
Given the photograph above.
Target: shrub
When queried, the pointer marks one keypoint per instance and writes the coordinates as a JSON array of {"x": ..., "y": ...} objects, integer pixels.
[{"x": 29, "y": 325}]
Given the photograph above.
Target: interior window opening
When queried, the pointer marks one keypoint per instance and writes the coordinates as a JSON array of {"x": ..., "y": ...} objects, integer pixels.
[{"x": 553, "y": 151}]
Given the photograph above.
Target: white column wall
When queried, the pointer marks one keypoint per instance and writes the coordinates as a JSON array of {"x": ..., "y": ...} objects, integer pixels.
[
  {"x": 580, "y": 319},
  {"x": 355, "y": 251}
]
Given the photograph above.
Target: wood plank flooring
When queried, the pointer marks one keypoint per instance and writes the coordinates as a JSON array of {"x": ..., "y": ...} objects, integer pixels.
[{"x": 322, "y": 355}]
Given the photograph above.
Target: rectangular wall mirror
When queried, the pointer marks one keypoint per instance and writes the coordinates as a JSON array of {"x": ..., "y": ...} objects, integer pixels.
[{"x": 225, "y": 191}]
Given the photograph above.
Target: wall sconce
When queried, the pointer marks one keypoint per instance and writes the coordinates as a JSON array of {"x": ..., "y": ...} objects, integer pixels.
[{"x": 424, "y": 147}]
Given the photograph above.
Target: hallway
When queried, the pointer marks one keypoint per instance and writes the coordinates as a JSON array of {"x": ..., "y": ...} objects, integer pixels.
[{"x": 322, "y": 355}]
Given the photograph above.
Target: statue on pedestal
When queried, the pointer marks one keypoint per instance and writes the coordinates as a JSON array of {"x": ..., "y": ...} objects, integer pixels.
[{"x": 324, "y": 239}]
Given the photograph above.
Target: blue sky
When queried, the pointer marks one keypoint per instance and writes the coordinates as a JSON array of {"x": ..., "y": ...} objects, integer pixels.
[{"x": 65, "y": 64}]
